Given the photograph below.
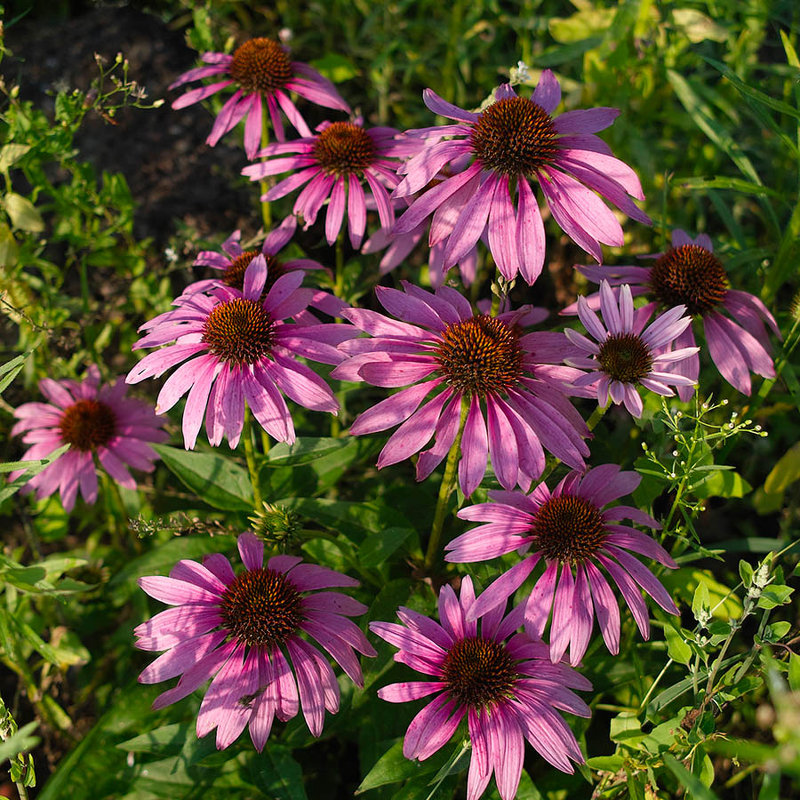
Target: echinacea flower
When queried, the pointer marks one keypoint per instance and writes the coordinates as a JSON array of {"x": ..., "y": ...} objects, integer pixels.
[
  {"x": 240, "y": 350},
  {"x": 502, "y": 681},
  {"x": 515, "y": 141},
  {"x": 262, "y": 73},
  {"x": 333, "y": 163},
  {"x": 94, "y": 420},
  {"x": 572, "y": 531},
  {"x": 245, "y": 632},
  {"x": 628, "y": 354},
  {"x": 234, "y": 262},
  {"x": 465, "y": 360},
  {"x": 689, "y": 273}
]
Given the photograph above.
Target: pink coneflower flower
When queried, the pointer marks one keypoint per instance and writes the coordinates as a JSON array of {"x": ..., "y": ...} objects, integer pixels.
[
  {"x": 239, "y": 630},
  {"x": 94, "y": 420},
  {"x": 442, "y": 348},
  {"x": 333, "y": 163},
  {"x": 506, "y": 687},
  {"x": 239, "y": 349},
  {"x": 234, "y": 262},
  {"x": 627, "y": 354},
  {"x": 262, "y": 72},
  {"x": 512, "y": 142},
  {"x": 570, "y": 529},
  {"x": 690, "y": 274}
]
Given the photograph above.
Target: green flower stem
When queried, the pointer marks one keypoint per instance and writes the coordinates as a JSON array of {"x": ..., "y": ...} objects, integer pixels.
[
  {"x": 597, "y": 415},
  {"x": 448, "y": 482},
  {"x": 265, "y": 183},
  {"x": 250, "y": 457}
]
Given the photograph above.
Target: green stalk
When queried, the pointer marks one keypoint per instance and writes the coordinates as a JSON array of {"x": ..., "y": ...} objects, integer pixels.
[
  {"x": 338, "y": 290},
  {"x": 250, "y": 457},
  {"x": 445, "y": 489}
]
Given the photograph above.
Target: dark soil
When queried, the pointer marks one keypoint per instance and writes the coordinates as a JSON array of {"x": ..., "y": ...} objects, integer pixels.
[{"x": 173, "y": 175}]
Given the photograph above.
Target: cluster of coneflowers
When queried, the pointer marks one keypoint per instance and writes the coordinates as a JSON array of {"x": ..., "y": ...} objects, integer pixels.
[{"x": 474, "y": 387}]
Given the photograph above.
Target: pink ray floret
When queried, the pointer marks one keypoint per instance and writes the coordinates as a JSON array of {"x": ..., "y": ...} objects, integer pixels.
[
  {"x": 98, "y": 422},
  {"x": 261, "y": 74},
  {"x": 512, "y": 144},
  {"x": 732, "y": 320},
  {"x": 569, "y": 530},
  {"x": 335, "y": 164},
  {"x": 503, "y": 682},
  {"x": 237, "y": 348},
  {"x": 625, "y": 353},
  {"x": 510, "y": 385},
  {"x": 249, "y": 633}
]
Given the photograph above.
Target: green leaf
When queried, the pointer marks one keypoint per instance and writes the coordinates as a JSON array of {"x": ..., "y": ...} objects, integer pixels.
[
  {"x": 9, "y": 250},
  {"x": 697, "y": 26},
  {"x": 677, "y": 648},
  {"x": 376, "y": 548},
  {"x": 23, "y": 213},
  {"x": 11, "y": 369},
  {"x": 774, "y": 596},
  {"x": 392, "y": 767},
  {"x": 750, "y": 91},
  {"x": 701, "y": 604},
  {"x": 277, "y": 774},
  {"x": 458, "y": 762},
  {"x": 31, "y": 468},
  {"x": 693, "y": 785},
  {"x": 722, "y": 483},
  {"x": 735, "y": 184},
  {"x": 353, "y": 520},
  {"x": 11, "y": 153},
  {"x": 581, "y": 25},
  {"x": 606, "y": 763},
  {"x": 304, "y": 451},
  {"x": 20, "y": 742},
  {"x": 682, "y": 583},
  {"x": 785, "y": 472},
  {"x": 794, "y": 672},
  {"x": 335, "y": 67},
  {"x": 771, "y": 786},
  {"x": 162, "y": 741},
  {"x": 216, "y": 480}
]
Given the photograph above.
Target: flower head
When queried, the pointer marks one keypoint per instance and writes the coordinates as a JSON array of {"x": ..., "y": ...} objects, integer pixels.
[
  {"x": 628, "y": 354},
  {"x": 511, "y": 143},
  {"x": 241, "y": 349},
  {"x": 502, "y": 681},
  {"x": 234, "y": 262},
  {"x": 470, "y": 361},
  {"x": 262, "y": 72},
  {"x": 572, "y": 532},
  {"x": 239, "y": 630},
  {"x": 689, "y": 274},
  {"x": 94, "y": 420},
  {"x": 333, "y": 163}
]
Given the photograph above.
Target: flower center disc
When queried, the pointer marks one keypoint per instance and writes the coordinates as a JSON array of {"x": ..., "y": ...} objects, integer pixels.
[
  {"x": 480, "y": 356},
  {"x": 88, "y": 424},
  {"x": 239, "y": 331},
  {"x": 478, "y": 672},
  {"x": 625, "y": 357},
  {"x": 689, "y": 275},
  {"x": 261, "y": 65},
  {"x": 514, "y": 136},
  {"x": 234, "y": 273},
  {"x": 261, "y": 607},
  {"x": 568, "y": 529},
  {"x": 344, "y": 149}
]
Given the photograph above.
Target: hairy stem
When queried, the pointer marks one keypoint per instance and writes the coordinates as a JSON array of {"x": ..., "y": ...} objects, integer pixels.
[
  {"x": 445, "y": 489},
  {"x": 250, "y": 457}
]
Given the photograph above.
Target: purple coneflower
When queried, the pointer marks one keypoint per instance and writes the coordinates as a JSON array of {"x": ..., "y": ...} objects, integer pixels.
[
  {"x": 239, "y": 629},
  {"x": 512, "y": 142},
  {"x": 470, "y": 360},
  {"x": 262, "y": 72},
  {"x": 333, "y": 163},
  {"x": 628, "y": 354},
  {"x": 241, "y": 351},
  {"x": 570, "y": 529},
  {"x": 235, "y": 261},
  {"x": 95, "y": 421},
  {"x": 506, "y": 687},
  {"x": 690, "y": 274}
]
